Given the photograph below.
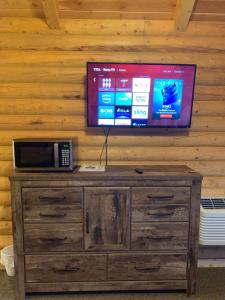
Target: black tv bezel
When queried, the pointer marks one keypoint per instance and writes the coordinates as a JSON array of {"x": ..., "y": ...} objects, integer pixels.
[{"x": 141, "y": 127}]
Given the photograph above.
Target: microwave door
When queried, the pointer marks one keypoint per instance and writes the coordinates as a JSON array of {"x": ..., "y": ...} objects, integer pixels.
[{"x": 34, "y": 154}]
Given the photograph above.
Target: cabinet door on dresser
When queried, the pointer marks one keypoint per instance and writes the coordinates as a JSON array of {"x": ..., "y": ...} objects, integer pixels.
[{"x": 107, "y": 218}]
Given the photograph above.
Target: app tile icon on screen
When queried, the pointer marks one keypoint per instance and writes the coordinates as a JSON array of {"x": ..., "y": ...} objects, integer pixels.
[
  {"x": 106, "y": 112},
  {"x": 123, "y": 84},
  {"x": 140, "y": 98},
  {"x": 139, "y": 112},
  {"x": 106, "y": 122},
  {"x": 123, "y": 112},
  {"x": 106, "y": 98},
  {"x": 167, "y": 99},
  {"x": 123, "y": 98},
  {"x": 141, "y": 85},
  {"x": 140, "y": 122},
  {"x": 106, "y": 84},
  {"x": 123, "y": 122}
]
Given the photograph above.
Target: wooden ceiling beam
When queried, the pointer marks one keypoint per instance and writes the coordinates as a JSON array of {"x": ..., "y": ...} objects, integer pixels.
[
  {"x": 51, "y": 13},
  {"x": 183, "y": 13}
]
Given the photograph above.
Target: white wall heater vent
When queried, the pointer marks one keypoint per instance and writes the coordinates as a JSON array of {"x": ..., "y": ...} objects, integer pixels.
[{"x": 212, "y": 221}]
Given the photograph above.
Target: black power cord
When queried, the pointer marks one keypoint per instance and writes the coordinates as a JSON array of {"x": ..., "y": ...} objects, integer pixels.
[{"x": 106, "y": 131}]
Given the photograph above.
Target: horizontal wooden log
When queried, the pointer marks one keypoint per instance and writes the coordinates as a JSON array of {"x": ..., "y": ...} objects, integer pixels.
[
  {"x": 202, "y": 123},
  {"x": 5, "y": 198},
  {"x": 87, "y": 26},
  {"x": 21, "y": 4},
  {"x": 4, "y": 184},
  {"x": 212, "y": 192},
  {"x": 6, "y": 168},
  {"x": 77, "y": 75},
  {"x": 17, "y": 13},
  {"x": 42, "y": 74},
  {"x": 71, "y": 107},
  {"x": 125, "y": 5},
  {"x": 210, "y": 108},
  {"x": 29, "y": 41},
  {"x": 206, "y": 10},
  {"x": 137, "y": 153},
  {"x": 207, "y": 17},
  {"x": 216, "y": 92},
  {"x": 54, "y": 122},
  {"x": 117, "y": 137},
  {"x": 103, "y": 27},
  {"x": 43, "y": 106},
  {"x": 5, "y": 228},
  {"x": 41, "y": 90},
  {"x": 6, "y": 137},
  {"x": 213, "y": 182},
  {"x": 78, "y": 59},
  {"x": 73, "y": 14},
  {"x": 5, "y": 213},
  {"x": 208, "y": 76},
  {"x": 204, "y": 6},
  {"x": 5, "y": 240},
  {"x": 46, "y": 122},
  {"x": 156, "y": 153}
]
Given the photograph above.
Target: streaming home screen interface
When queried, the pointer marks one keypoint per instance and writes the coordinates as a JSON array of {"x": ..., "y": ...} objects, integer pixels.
[{"x": 140, "y": 95}]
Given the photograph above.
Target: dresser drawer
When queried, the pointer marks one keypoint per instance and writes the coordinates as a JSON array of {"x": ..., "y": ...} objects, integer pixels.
[
  {"x": 144, "y": 266},
  {"x": 157, "y": 213},
  {"x": 45, "y": 196},
  {"x": 160, "y": 195},
  {"x": 159, "y": 236},
  {"x": 63, "y": 268},
  {"x": 52, "y": 213},
  {"x": 53, "y": 237}
]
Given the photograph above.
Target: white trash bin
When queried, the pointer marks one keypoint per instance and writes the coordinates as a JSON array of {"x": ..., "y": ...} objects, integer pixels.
[{"x": 7, "y": 259}]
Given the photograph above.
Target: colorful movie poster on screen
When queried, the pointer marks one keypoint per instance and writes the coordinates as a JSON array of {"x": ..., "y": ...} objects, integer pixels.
[{"x": 167, "y": 99}]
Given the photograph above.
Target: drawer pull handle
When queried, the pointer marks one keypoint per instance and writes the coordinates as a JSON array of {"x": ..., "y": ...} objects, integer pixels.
[
  {"x": 87, "y": 222},
  {"x": 159, "y": 238},
  {"x": 53, "y": 239},
  {"x": 160, "y": 214},
  {"x": 53, "y": 199},
  {"x": 67, "y": 270},
  {"x": 151, "y": 269},
  {"x": 52, "y": 216},
  {"x": 162, "y": 197}
]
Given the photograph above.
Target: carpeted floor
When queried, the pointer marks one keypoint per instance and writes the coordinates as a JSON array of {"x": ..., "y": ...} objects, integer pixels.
[{"x": 211, "y": 286}]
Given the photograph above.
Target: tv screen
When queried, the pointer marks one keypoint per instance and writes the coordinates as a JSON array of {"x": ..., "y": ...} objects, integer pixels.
[{"x": 139, "y": 95}]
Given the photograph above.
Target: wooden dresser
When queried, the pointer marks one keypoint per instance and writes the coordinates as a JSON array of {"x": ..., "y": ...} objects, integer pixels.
[{"x": 113, "y": 230}]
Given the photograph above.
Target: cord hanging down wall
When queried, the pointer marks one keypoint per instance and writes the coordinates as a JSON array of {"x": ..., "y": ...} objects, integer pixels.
[{"x": 99, "y": 167}]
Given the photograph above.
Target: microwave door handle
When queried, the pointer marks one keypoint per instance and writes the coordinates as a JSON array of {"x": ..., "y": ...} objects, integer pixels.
[{"x": 56, "y": 154}]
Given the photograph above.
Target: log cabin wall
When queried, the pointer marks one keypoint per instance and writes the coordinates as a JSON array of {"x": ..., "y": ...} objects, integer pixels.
[{"x": 42, "y": 84}]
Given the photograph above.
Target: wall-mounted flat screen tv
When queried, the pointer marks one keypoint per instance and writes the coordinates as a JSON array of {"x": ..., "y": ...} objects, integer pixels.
[{"x": 139, "y": 95}]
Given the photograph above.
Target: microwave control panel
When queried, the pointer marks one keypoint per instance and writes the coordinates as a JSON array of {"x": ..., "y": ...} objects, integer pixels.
[{"x": 64, "y": 154}]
